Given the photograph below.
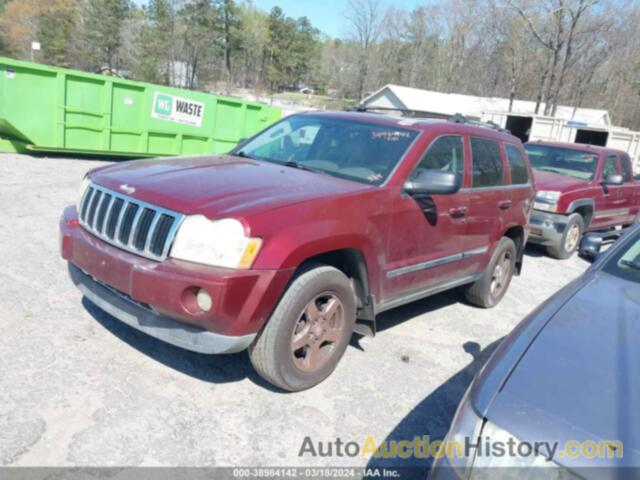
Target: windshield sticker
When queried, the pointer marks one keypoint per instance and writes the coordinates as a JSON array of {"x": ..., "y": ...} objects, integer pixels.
[
  {"x": 177, "y": 109},
  {"x": 389, "y": 136}
]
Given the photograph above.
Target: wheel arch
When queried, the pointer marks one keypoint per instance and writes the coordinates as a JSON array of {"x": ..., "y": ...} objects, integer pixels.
[
  {"x": 585, "y": 207},
  {"x": 352, "y": 262},
  {"x": 517, "y": 234}
]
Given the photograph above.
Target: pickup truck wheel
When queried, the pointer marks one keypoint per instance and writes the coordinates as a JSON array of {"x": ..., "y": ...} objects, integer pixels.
[
  {"x": 309, "y": 330},
  {"x": 488, "y": 290},
  {"x": 570, "y": 239}
]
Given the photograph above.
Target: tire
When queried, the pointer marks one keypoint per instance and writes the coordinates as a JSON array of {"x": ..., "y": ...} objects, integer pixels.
[
  {"x": 570, "y": 239},
  {"x": 484, "y": 292},
  {"x": 322, "y": 333}
]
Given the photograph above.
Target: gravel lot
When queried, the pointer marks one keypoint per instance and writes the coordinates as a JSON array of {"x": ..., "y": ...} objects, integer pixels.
[{"x": 79, "y": 388}]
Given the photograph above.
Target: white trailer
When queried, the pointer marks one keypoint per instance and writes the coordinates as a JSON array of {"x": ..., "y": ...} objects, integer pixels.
[{"x": 539, "y": 127}]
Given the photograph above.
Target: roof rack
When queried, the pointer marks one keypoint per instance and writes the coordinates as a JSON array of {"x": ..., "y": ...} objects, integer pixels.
[
  {"x": 456, "y": 118},
  {"x": 364, "y": 109},
  {"x": 459, "y": 118}
]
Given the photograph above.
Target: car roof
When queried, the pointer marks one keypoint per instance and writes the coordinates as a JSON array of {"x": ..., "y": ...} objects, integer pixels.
[
  {"x": 578, "y": 146},
  {"x": 423, "y": 124}
]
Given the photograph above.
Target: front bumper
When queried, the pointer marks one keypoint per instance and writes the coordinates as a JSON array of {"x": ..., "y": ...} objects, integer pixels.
[
  {"x": 547, "y": 228},
  {"x": 146, "y": 320},
  {"x": 155, "y": 293}
]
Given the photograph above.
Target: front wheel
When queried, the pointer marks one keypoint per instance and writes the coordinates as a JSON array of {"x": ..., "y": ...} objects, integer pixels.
[
  {"x": 570, "y": 238},
  {"x": 309, "y": 330},
  {"x": 488, "y": 290}
]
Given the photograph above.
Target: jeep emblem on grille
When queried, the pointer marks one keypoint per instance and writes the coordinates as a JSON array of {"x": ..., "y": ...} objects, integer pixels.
[{"x": 128, "y": 189}]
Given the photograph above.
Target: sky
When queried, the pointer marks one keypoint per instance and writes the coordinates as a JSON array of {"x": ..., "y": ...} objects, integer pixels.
[{"x": 326, "y": 15}]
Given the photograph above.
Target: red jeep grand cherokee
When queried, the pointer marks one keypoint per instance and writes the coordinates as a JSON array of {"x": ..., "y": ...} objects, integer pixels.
[
  {"x": 317, "y": 221},
  {"x": 580, "y": 188}
]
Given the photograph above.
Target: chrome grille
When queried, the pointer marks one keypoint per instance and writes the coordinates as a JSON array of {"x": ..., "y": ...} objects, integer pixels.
[{"x": 128, "y": 223}]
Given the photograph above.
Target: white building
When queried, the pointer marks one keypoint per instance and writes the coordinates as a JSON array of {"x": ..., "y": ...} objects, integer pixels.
[{"x": 570, "y": 124}]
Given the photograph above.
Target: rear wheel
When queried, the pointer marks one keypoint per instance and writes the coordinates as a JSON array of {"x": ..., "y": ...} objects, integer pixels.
[
  {"x": 309, "y": 330},
  {"x": 570, "y": 239},
  {"x": 487, "y": 291}
]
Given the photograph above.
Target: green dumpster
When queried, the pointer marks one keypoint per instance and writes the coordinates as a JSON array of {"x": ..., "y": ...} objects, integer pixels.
[{"x": 46, "y": 109}]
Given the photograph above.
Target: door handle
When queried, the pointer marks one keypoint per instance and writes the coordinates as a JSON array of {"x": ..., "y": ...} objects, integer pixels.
[
  {"x": 505, "y": 204},
  {"x": 458, "y": 212}
]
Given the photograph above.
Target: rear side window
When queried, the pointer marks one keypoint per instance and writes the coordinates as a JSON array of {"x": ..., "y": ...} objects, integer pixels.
[
  {"x": 627, "y": 174},
  {"x": 487, "y": 164},
  {"x": 445, "y": 153},
  {"x": 519, "y": 172},
  {"x": 609, "y": 167}
]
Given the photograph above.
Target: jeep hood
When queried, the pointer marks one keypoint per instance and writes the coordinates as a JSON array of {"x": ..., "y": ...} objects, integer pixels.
[
  {"x": 556, "y": 182},
  {"x": 579, "y": 380},
  {"x": 219, "y": 185}
]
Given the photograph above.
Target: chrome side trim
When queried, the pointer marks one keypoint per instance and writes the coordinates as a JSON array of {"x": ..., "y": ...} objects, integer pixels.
[
  {"x": 437, "y": 262},
  {"x": 516, "y": 186},
  {"x": 615, "y": 212},
  {"x": 426, "y": 292},
  {"x": 475, "y": 251}
]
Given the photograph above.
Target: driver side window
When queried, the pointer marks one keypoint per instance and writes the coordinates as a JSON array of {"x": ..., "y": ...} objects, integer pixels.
[
  {"x": 609, "y": 167},
  {"x": 445, "y": 153}
]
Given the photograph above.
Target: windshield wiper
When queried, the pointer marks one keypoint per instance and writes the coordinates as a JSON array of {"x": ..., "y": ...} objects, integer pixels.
[
  {"x": 294, "y": 164},
  {"x": 242, "y": 154},
  {"x": 630, "y": 264}
]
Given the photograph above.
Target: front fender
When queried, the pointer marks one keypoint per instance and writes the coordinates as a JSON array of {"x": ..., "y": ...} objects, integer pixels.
[{"x": 291, "y": 247}]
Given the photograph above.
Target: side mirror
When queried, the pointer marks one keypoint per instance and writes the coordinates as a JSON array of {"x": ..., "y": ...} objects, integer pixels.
[
  {"x": 614, "y": 179},
  {"x": 590, "y": 247},
  {"x": 433, "y": 182}
]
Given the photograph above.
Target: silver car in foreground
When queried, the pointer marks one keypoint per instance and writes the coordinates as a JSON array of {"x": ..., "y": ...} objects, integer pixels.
[{"x": 560, "y": 397}]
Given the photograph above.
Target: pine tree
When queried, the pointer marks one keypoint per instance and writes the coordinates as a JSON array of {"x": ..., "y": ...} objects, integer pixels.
[
  {"x": 157, "y": 43},
  {"x": 103, "y": 25},
  {"x": 56, "y": 30}
]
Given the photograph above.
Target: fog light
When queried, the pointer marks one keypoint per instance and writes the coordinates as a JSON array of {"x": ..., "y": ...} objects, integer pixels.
[{"x": 204, "y": 300}]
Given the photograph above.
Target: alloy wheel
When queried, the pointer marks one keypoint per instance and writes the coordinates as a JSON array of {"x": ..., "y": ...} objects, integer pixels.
[
  {"x": 501, "y": 274},
  {"x": 317, "y": 332},
  {"x": 572, "y": 239}
]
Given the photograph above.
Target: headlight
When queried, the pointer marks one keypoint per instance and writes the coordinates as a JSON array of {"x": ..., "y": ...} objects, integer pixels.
[
  {"x": 547, "y": 201},
  {"x": 83, "y": 188},
  {"x": 220, "y": 243},
  {"x": 495, "y": 460},
  {"x": 464, "y": 431}
]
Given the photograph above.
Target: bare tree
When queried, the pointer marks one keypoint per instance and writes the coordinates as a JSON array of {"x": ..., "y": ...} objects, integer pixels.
[
  {"x": 560, "y": 20},
  {"x": 364, "y": 18}
]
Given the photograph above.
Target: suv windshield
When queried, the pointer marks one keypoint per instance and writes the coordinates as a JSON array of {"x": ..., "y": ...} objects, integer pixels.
[
  {"x": 564, "y": 161},
  {"x": 626, "y": 262},
  {"x": 361, "y": 151}
]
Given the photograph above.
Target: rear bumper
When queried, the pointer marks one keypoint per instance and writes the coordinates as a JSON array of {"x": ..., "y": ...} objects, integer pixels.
[
  {"x": 157, "y": 326},
  {"x": 242, "y": 300},
  {"x": 546, "y": 228}
]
